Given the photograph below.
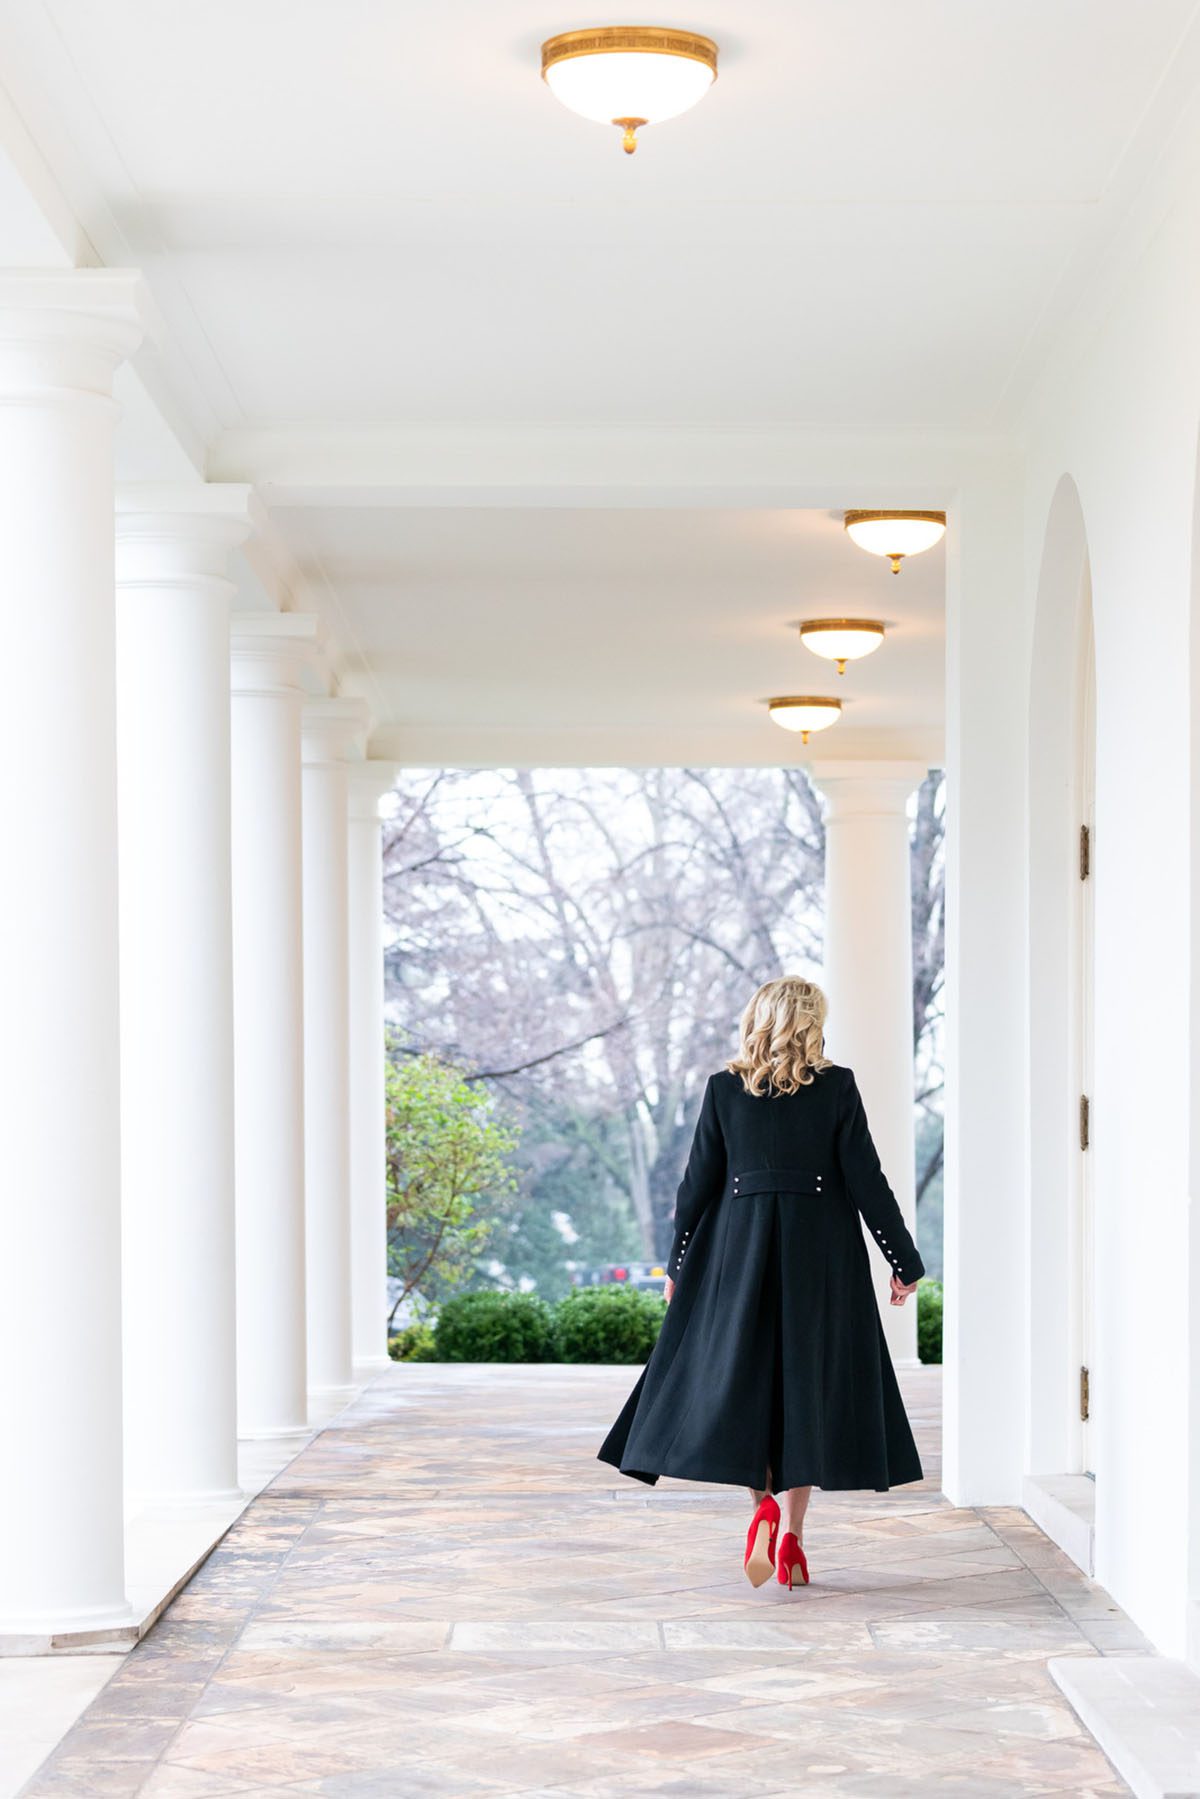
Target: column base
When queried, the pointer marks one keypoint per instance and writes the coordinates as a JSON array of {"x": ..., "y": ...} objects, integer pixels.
[
  {"x": 332, "y": 1395},
  {"x": 184, "y": 1502},
  {"x": 267, "y": 1433},
  {"x": 372, "y": 1365},
  {"x": 41, "y": 1633},
  {"x": 906, "y": 1364}
]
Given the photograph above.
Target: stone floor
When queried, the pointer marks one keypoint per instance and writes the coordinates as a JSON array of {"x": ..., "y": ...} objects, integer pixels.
[{"x": 447, "y": 1594}]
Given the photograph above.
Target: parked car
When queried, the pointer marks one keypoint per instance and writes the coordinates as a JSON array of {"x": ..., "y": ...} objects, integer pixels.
[{"x": 648, "y": 1277}]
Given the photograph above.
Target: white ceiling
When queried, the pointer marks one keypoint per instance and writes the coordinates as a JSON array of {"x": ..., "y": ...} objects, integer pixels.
[
  {"x": 596, "y": 635},
  {"x": 367, "y": 211},
  {"x": 370, "y": 218}
]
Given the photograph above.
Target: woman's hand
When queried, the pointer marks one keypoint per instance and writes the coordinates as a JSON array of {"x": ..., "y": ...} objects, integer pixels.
[
  {"x": 899, "y": 1291},
  {"x": 668, "y": 1289}
]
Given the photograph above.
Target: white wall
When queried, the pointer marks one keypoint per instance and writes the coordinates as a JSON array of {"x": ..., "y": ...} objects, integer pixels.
[
  {"x": 987, "y": 657},
  {"x": 1062, "y": 628},
  {"x": 1193, "y": 1414},
  {"x": 1117, "y": 411}
]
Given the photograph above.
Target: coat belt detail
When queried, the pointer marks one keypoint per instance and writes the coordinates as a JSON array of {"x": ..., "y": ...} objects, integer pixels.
[{"x": 777, "y": 1180}]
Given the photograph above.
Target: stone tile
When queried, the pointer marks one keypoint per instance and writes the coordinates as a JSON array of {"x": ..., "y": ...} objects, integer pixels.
[
  {"x": 347, "y": 1636},
  {"x": 100, "y": 1742},
  {"x": 167, "y": 1782},
  {"x": 146, "y": 1699},
  {"x": 446, "y": 1594},
  {"x": 978, "y": 1633},
  {"x": 541, "y": 1634},
  {"x": 62, "y": 1778},
  {"x": 1115, "y": 1635}
]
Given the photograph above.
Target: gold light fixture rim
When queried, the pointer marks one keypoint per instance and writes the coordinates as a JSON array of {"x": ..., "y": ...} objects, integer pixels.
[
  {"x": 811, "y": 626},
  {"x": 609, "y": 40},
  {"x": 859, "y": 515},
  {"x": 804, "y": 699}
]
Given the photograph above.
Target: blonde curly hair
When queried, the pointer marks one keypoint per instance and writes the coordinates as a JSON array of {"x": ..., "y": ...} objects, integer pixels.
[{"x": 782, "y": 1037}]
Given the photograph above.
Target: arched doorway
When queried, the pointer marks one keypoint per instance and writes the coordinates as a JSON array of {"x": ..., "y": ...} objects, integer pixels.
[{"x": 1063, "y": 861}]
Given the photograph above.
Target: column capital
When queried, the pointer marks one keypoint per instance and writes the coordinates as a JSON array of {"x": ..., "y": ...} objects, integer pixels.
[
  {"x": 330, "y": 728},
  {"x": 63, "y": 331},
  {"x": 270, "y": 650},
  {"x": 370, "y": 781},
  {"x": 170, "y": 535},
  {"x": 866, "y": 788}
]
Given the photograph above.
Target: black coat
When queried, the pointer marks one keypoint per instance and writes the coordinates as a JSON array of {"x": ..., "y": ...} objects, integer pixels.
[{"x": 772, "y": 1354}]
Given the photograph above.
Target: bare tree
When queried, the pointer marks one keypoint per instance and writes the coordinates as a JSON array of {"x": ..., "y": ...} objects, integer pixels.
[
  {"x": 591, "y": 936},
  {"x": 584, "y": 940},
  {"x": 929, "y": 962}
]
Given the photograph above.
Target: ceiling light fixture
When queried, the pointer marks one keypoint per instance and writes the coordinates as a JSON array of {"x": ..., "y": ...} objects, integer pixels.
[
  {"x": 804, "y": 713},
  {"x": 629, "y": 75},
  {"x": 895, "y": 534},
  {"x": 841, "y": 640}
]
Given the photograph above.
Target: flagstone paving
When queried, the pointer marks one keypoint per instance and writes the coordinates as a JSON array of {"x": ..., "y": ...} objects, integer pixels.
[{"x": 447, "y": 1594}]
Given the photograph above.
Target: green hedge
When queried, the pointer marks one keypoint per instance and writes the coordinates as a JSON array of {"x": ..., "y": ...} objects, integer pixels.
[
  {"x": 494, "y": 1327},
  {"x": 592, "y": 1324},
  {"x": 607, "y": 1324},
  {"x": 929, "y": 1321},
  {"x": 413, "y": 1343},
  {"x": 612, "y": 1324}
]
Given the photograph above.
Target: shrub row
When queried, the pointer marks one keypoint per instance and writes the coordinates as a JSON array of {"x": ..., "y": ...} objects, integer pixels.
[
  {"x": 929, "y": 1321},
  {"x": 593, "y": 1324}
]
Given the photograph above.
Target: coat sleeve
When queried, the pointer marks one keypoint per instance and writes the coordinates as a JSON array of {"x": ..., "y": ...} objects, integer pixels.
[
  {"x": 703, "y": 1177},
  {"x": 868, "y": 1187}
]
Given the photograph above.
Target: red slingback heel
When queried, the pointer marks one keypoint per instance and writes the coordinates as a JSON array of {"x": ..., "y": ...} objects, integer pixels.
[
  {"x": 760, "y": 1541},
  {"x": 791, "y": 1569}
]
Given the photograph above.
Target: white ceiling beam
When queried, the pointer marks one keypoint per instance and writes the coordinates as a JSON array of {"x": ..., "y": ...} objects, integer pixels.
[
  {"x": 603, "y": 465},
  {"x": 38, "y": 229},
  {"x": 626, "y": 746}
]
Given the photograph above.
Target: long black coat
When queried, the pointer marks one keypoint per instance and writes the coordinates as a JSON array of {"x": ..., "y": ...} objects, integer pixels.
[{"x": 771, "y": 1368}]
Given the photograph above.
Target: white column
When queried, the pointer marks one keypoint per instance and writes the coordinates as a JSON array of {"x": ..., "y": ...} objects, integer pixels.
[
  {"x": 177, "y": 988},
  {"x": 330, "y": 727},
  {"x": 869, "y": 980},
  {"x": 369, "y": 782},
  {"x": 61, "y": 1528},
  {"x": 269, "y": 653},
  {"x": 988, "y": 650}
]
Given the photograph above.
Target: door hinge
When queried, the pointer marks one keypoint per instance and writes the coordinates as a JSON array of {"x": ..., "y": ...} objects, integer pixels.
[
  {"x": 1084, "y": 1395},
  {"x": 1085, "y": 852},
  {"x": 1085, "y": 1121}
]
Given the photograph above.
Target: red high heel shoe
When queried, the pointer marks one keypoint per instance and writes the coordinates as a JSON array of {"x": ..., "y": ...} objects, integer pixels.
[
  {"x": 791, "y": 1569},
  {"x": 760, "y": 1541}
]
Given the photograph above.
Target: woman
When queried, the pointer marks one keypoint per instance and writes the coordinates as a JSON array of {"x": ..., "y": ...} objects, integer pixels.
[{"x": 771, "y": 1369}]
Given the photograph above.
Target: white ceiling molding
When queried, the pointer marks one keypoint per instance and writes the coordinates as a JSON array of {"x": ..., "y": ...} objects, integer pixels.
[{"x": 425, "y": 747}]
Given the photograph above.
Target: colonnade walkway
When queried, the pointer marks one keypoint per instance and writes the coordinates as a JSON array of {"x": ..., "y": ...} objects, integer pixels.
[{"x": 446, "y": 1594}]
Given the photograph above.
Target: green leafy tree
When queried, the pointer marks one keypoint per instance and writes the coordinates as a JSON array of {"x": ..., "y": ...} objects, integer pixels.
[
  {"x": 571, "y": 1208},
  {"x": 449, "y": 1172}
]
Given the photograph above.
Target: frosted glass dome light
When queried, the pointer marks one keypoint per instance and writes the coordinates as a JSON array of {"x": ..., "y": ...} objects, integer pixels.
[
  {"x": 841, "y": 640},
  {"x": 895, "y": 534},
  {"x": 804, "y": 713},
  {"x": 629, "y": 75}
]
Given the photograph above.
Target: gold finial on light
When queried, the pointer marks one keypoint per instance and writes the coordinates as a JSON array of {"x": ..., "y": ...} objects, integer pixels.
[{"x": 630, "y": 128}]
